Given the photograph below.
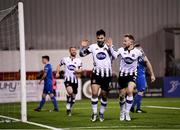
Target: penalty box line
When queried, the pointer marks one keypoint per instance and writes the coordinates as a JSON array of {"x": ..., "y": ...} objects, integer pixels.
[{"x": 31, "y": 123}]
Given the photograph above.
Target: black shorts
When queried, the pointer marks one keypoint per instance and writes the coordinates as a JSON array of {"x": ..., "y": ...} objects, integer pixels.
[
  {"x": 73, "y": 85},
  {"x": 124, "y": 80},
  {"x": 104, "y": 82}
]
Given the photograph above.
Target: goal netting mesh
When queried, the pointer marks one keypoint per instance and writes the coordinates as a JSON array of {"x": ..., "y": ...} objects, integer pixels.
[{"x": 10, "y": 67}]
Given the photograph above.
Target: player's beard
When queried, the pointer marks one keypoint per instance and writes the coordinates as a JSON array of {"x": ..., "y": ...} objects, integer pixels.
[
  {"x": 127, "y": 47},
  {"x": 73, "y": 55},
  {"x": 100, "y": 43}
]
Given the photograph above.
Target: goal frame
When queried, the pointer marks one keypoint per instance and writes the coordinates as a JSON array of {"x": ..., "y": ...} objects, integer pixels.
[{"x": 22, "y": 62}]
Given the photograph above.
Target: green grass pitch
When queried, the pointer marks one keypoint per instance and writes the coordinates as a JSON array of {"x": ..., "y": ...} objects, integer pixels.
[{"x": 155, "y": 118}]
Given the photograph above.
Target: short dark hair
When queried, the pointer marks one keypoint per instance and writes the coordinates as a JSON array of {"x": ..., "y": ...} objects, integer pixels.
[
  {"x": 72, "y": 47},
  {"x": 100, "y": 32},
  {"x": 45, "y": 57},
  {"x": 130, "y": 36}
]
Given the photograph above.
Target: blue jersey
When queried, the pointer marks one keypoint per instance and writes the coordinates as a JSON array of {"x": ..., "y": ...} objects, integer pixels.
[
  {"x": 141, "y": 75},
  {"x": 48, "y": 81},
  {"x": 141, "y": 69}
]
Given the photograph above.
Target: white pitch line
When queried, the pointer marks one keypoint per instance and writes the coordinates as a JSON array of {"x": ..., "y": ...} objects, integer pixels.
[
  {"x": 10, "y": 118},
  {"x": 32, "y": 123},
  {"x": 106, "y": 127},
  {"x": 161, "y": 107},
  {"x": 44, "y": 126}
]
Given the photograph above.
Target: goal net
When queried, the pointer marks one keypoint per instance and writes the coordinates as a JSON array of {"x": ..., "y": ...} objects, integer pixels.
[{"x": 12, "y": 65}]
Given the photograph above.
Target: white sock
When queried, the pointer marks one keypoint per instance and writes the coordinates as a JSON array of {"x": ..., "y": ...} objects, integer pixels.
[
  {"x": 94, "y": 102},
  {"x": 68, "y": 106},
  {"x": 129, "y": 102},
  {"x": 103, "y": 106}
]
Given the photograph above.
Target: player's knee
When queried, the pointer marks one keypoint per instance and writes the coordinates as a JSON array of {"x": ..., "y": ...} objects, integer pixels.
[
  {"x": 94, "y": 94},
  {"x": 51, "y": 95},
  {"x": 130, "y": 93},
  {"x": 70, "y": 91}
]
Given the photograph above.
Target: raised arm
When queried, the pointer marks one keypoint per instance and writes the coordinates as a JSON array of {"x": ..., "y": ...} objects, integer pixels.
[
  {"x": 57, "y": 71},
  {"x": 149, "y": 67},
  {"x": 109, "y": 43},
  {"x": 84, "y": 50},
  {"x": 58, "y": 68}
]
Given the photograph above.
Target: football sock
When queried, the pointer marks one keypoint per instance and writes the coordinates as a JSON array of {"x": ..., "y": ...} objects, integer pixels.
[
  {"x": 103, "y": 105},
  {"x": 43, "y": 100},
  {"x": 139, "y": 99},
  {"x": 135, "y": 101},
  {"x": 129, "y": 101},
  {"x": 72, "y": 101},
  {"x": 53, "y": 99},
  {"x": 94, "y": 103}
]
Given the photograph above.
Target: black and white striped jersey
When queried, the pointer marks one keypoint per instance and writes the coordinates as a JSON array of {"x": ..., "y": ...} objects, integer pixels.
[
  {"x": 71, "y": 64},
  {"x": 128, "y": 60},
  {"x": 102, "y": 59}
]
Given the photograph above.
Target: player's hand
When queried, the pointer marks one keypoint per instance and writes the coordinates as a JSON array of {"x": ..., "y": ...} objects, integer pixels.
[
  {"x": 109, "y": 42},
  {"x": 57, "y": 75},
  {"x": 84, "y": 43},
  {"x": 153, "y": 78}
]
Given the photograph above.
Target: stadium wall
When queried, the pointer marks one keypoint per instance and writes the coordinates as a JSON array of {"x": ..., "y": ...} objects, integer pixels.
[
  {"x": 59, "y": 24},
  {"x": 33, "y": 60}
]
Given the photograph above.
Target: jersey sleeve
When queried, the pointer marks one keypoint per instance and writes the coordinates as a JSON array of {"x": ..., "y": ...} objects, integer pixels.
[
  {"x": 114, "y": 53},
  {"x": 46, "y": 68}
]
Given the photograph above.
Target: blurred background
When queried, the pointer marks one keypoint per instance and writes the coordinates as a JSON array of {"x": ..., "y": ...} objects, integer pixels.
[{"x": 52, "y": 26}]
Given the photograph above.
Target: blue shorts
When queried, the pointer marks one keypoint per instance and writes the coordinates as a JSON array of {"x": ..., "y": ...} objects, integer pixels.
[
  {"x": 48, "y": 89},
  {"x": 141, "y": 83}
]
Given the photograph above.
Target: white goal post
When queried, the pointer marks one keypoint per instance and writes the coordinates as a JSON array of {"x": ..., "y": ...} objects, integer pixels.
[{"x": 22, "y": 62}]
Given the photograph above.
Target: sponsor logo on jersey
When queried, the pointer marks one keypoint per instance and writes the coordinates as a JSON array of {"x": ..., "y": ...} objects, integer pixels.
[
  {"x": 71, "y": 67},
  {"x": 101, "y": 55},
  {"x": 128, "y": 60}
]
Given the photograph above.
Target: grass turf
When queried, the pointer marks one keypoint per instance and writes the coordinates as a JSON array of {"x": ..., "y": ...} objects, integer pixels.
[{"x": 155, "y": 118}]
